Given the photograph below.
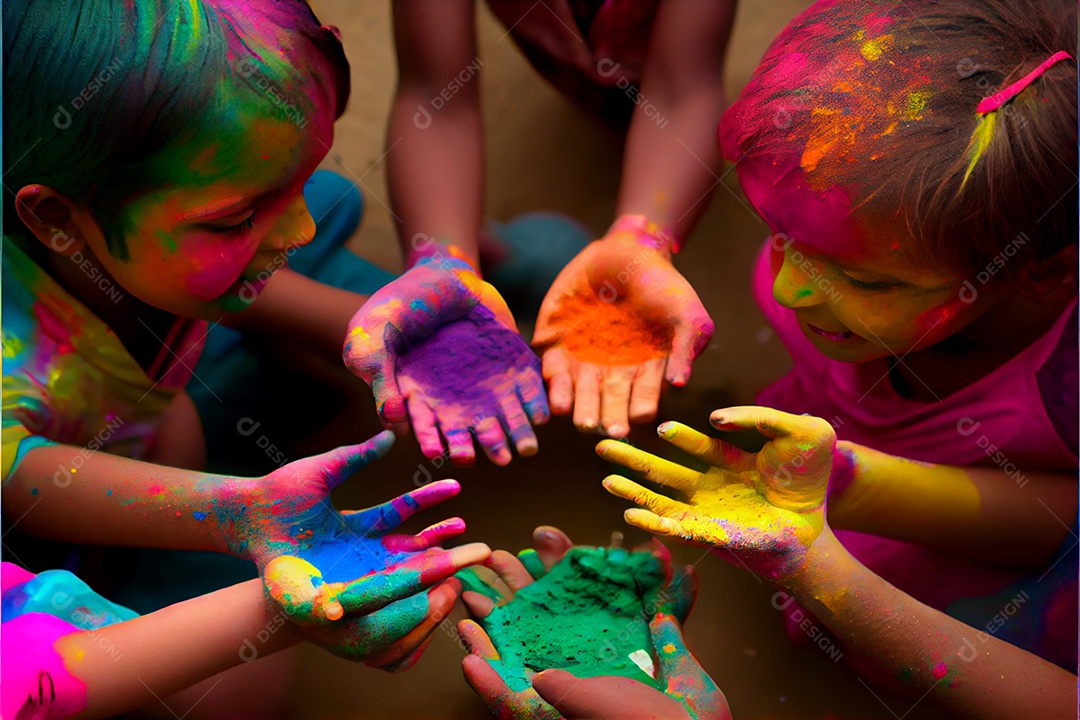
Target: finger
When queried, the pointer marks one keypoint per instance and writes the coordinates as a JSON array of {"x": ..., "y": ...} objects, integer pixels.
[
  {"x": 479, "y": 606},
  {"x": 460, "y": 445},
  {"x": 532, "y": 563},
  {"x": 383, "y": 518},
  {"x": 424, "y": 426},
  {"x": 774, "y": 423},
  {"x": 477, "y": 641},
  {"x": 605, "y": 698},
  {"x": 665, "y": 506},
  {"x": 712, "y": 451},
  {"x": 689, "y": 340},
  {"x": 510, "y": 569},
  {"x": 552, "y": 544},
  {"x": 680, "y": 674},
  {"x": 489, "y": 434},
  {"x": 404, "y": 627},
  {"x": 645, "y": 394},
  {"x": 483, "y": 581},
  {"x": 517, "y": 424},
  {"x": 651, "y": 522},
  {"x": 530, "y": 390},
  {"x": 648, "y": 466},
  {"x": 615, "y": 400},
  {"x": 587, "y": 397},
  {"x": 419, "y": 571},
  {"x": 556, "y": 369},
  {"x": 344, "y": 462},
  {"x": 412, "y": 657},
  {"x": 429, "y": 537}
]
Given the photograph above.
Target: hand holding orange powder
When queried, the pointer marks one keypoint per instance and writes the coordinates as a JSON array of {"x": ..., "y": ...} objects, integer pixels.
[{"x": 619, "y": 320}]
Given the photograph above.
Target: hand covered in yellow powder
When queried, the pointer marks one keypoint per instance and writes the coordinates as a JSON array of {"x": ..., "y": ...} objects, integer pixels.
[
  {"x": 617, "y": 321},
  {"x": 765, "y": 508}
]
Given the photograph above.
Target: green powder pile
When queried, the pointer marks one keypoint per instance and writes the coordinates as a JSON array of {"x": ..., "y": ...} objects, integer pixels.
[{"x": 586, "y": 616}]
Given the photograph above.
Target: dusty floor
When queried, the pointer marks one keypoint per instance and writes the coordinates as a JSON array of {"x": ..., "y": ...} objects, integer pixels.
[{"x": 543, "y": 155}]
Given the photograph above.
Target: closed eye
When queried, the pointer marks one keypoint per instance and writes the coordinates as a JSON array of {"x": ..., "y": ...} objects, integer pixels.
[
  {"x": 863, "y": 285},
  {"x": 232, "y": 226}
]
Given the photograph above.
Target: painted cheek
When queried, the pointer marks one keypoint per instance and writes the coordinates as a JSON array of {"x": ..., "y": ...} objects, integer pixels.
[
  {"x": 214, "y": 267},
  {"x": 938, "y": 321}
]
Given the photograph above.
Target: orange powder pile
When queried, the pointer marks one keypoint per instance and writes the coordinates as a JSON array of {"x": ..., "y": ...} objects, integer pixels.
[{"x": 609, "y": 333}]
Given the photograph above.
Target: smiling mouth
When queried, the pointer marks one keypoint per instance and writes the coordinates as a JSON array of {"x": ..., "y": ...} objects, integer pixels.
[{"x": 834, "y": 336}]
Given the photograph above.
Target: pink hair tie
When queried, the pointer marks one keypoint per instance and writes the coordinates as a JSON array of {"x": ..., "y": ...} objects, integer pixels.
[{"x": 995, "y": 101}]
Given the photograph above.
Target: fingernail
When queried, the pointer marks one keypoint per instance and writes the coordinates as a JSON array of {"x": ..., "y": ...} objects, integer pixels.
[
  {"x": 614, "y": 430},
  {"x": 333, "y": 610},
  {"x": 548, "y": 535},
  {"x": 589, "y": 423},
  {"x": 666, "y": 429},
  {"x": 527, "y": 447}
]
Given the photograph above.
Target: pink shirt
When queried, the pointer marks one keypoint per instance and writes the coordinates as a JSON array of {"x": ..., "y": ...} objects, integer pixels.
[{"x": 999, "y": 420}]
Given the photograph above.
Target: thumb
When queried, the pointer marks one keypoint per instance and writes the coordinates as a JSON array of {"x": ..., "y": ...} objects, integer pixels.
[
  {"x": 604, "y": 698},
  {"x": 680, "y": 674},
  {"x": 375, "y": 363},
  {"x": 388, "y": 396},
  {"x": 691, "y": 336},
  {"x": 298, "y": 588},
  {"x": 341, "y": 464}
]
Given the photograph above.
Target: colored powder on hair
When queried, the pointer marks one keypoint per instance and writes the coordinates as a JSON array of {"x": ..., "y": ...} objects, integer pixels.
[
  {"x": 587, "y": 616},
  {"x": 615, "y": 335},
  {"x": 466, "y": 361}
]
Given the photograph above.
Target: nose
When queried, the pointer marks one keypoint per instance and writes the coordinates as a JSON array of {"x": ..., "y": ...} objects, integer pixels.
[
  {"x": 293, "y": 229},
  {"x": 797, "y": 283}
]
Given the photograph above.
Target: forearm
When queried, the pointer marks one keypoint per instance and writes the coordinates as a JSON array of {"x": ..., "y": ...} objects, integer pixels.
[
  {"x": 69, "y": 493},
  {"x": 435, "y": 143},
  {"x": 130, "y": 664},
  {"x": 985, "y": 513},
  {"x": 672, "y": 159},
  {"x": 297, "y": 310},
  {"x": 892, "y": 636}
]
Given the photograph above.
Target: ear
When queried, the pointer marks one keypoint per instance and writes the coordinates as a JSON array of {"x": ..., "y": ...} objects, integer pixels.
[
  {"x": 1040, "y": 277},
  {"x": 53, "y": 218}
]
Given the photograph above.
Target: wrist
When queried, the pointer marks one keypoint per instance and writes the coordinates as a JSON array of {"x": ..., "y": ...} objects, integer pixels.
[
  {"x": 424, "y": 249},
  {"x": 820, "y": 567},
  {"x": 232, "y": 500},
  {"x": 646, "y": 233}
]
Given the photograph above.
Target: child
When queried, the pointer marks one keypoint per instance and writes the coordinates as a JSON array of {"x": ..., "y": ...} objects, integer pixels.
[
  {"x": 662, "y": 64},
  {"x": 143, "y": 207},
  {"x": 922, "y": 275}
]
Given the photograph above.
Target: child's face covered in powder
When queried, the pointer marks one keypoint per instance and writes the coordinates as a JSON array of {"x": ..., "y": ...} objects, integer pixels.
[
  {"x": 857, "y": 291},
  {"x": 205, "y": 242}
]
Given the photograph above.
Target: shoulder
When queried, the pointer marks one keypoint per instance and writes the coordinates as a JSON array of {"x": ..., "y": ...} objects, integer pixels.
[{"x": 1059, "y": 384}]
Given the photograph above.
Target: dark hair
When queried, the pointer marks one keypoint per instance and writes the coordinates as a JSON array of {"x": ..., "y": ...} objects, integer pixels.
[
  {"x": 879, "y": 99},
  {"x": 94, "y": 89}
]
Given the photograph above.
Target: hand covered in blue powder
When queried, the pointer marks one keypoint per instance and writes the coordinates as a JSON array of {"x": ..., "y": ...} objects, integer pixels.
[
  {"x": 317, "y": 563},
  {"x": 686, "y": 691},
  {"x": 441, "y": 351}
]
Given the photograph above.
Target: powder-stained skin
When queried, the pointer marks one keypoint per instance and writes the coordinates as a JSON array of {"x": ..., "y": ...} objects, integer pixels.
[{"x": 587, "y": 616}]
